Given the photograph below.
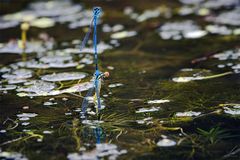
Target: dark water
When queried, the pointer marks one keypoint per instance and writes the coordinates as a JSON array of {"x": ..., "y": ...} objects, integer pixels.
[{"x": 144, "y": 66}]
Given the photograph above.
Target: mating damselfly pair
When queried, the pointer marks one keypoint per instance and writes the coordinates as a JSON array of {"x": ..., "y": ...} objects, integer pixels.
[{"x": 98, "y": 75}]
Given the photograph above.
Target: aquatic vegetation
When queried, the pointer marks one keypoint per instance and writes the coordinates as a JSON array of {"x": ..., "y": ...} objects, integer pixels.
[
  {"x": 55, "y": 77},
  {"x": 24, "y": 28},
  {"x": 201, "y": 75},
  {"x": 214, "y": 135}
]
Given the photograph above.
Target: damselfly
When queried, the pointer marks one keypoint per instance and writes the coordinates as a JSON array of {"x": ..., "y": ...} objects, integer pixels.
[{"x": 98, "y": 76}]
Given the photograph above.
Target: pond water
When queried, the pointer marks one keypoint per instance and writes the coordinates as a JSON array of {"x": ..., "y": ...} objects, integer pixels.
[{"x": 172, "y": 94}]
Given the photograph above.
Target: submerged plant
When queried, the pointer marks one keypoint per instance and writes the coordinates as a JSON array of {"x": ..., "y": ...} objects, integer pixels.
[
  {"x": 214, "y": 135},
  {"x": 24, "y": 28}
]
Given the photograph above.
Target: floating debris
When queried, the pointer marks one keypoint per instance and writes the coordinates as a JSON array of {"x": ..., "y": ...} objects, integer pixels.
[
  {"x": 16, "y": 81},
  {"x": 117, "y": 27},
  {"x": 236, "y": 68},
  {"x": 232, "y": 110},
  {"x": 7, "y": 87},
  {"x": 186, "y": 10},
  {"x": 25, "y": 123},
  {"x": 47, "y": 132},
  {"x": 191, "y": 2},
  {"x": 37, "y": 87},
  {"x": 177, "y": 30},
  {"x": 12, "y": 155},
  {"x": 45, "y": 15},
  {"x": 158, "y": 101},
  {"x": 65, "y": 99},
  {"x": 198, "y": 74},
  {"x": 68, "y": 114},
  {"x": 25, "y": 107},
  {"x": 56, "y": 58},
  {"x": 165, "y": 142},
  {"x": 186, "y": 69},
  {"x": 187, "y": 114},
  {"x": 27, "y": 115},
  {"x": 24, "y": 119},
  {"x": 2, "y": 131},
  {"x": 152, "y": 109},
  {"x": 14, "y": 46},
  {"x": 49, "y": 103},
  {"x": 81, "y": 23},
  {"x": 110, "y": 67},
  {"x": 216, "y": 4},
  {"x": 18, "y": 74},
  {"x": 54, "y": 8},
  {"x": 147, "y": 14},
  {"x": 194, "y": 34},
  {"x": 8, "y": 24},
  {"x": 43, "y": 22},
  {"x": 35, "y": 90},
  {"x": 230, "y": 18},
  {"x": 186, "y": 79},
  {"x": 102, "y": 150},
  {"x": 115, "y": 85},
  {"x": 228, "y": 55},
  {"x": 66, "y": 76},
  {"x": 123, "y": 34},
  {"x": 91, "y": 122},
  {"x": 217, "y": 29},
  {"x": 146, "y": 121}
]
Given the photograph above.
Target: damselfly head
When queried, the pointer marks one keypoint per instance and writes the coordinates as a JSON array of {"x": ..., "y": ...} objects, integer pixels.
[
  {"x": 97, "y": 11},
  {"x": 106, "y": 74}
]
